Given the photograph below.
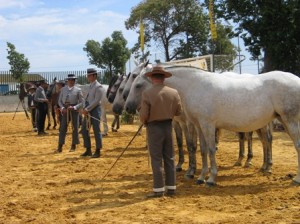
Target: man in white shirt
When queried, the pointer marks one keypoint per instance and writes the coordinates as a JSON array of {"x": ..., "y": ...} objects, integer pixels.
[{"x": 70, "y": 100}]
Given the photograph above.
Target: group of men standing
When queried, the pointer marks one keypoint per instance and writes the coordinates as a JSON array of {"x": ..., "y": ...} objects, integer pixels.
[
  {"x": 70, "y": 102},
  {"x": 158, "y": 107}
]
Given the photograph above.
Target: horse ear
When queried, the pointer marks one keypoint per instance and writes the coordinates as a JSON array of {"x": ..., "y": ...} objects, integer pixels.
[
  {"x": 146, "y": 63},
  {"x": 136, "y": 62}
]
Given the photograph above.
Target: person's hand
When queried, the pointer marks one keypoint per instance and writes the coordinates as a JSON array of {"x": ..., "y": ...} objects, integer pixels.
[
  {"x": 71, "y": 108},
  {"x": 63, "y": 111},
  {"x": 85, "y": 112},
  {"x": 46, "y": 100}
]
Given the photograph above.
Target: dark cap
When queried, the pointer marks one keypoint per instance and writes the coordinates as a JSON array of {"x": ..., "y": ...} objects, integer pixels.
[
  {"x": 91, "y": 71},
  {"x": 71, "y": 76}
]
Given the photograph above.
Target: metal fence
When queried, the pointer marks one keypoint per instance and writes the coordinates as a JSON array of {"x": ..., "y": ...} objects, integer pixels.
[{"x": 9, "y": 86}]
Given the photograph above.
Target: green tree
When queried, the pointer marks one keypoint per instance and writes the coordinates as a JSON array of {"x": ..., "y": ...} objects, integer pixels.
[
  {"x": 179, "y": 27},
  {"x": 112, "y": 54},
  {"x": 19, "y": 65},
  {"x": 271, "y": 28}
]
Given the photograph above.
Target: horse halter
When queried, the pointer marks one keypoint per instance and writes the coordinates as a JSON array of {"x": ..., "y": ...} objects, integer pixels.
[{"x": 114, "y": 87}]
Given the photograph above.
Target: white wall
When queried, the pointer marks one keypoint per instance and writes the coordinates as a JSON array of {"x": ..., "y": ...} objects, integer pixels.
[{"x": 10, "y": 103}]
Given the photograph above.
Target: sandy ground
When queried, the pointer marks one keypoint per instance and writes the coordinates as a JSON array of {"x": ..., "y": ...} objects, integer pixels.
[{"x": 38, "y": 186}]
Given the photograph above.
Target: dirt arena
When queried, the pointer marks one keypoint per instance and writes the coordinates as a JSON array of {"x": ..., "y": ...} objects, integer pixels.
[{"x": 38, "y": 186}]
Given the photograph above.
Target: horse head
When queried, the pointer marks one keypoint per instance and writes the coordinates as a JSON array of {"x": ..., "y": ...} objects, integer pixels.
[
  {"x": 134, "y": 99},
  {"x": 119, "y": 101},
  {"x": 51, "y": 89},
  {"x": 138, "y": 70}
]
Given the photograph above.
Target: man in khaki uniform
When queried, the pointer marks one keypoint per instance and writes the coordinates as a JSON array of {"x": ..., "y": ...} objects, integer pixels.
[{"x": 159, "y": 105}]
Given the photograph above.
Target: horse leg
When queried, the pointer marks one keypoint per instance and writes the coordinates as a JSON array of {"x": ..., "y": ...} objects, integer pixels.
[
  {"x": 208, "y": 131},
  {"x": 204, "y": 152},
  {"x": 115, "y": 122},
  {"x": 49, "y": 116},
  {"x": 53, "y": 117},
  {"x": 265, "y": 136},
  {"x": 178, "y": 134},
  {"x": 241, "y": 148},
  {"x": 191, "y": 142},
  {"x": 293, "y": 129},
  {"x": 248, "y": 162},
  {"x": 104, "y": 121},
  {"x": 118, "y": 121}
]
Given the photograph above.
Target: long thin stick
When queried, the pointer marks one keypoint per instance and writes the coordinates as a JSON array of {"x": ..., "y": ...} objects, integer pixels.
[
  {"x": 16, "y": 110},
  {"x": 122, "y": 153}
]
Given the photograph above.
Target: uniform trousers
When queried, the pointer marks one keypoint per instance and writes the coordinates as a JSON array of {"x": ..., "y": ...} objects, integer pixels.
[
  {"x": 72, "y": 116},
  {"x": 96, "y": 113},
  {"x": 160, "y": 144},
  {"x": 33, "y": 116},
  {"x": 42, "y": 112}
]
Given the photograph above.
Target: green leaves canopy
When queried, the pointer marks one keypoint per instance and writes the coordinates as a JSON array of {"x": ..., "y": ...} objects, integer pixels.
[
  {"x": 180, "y": 28},
  {"x": 19, "y": 65},
  {"x": 271, "y": 27},
  {"x": 111, "y": 54}
]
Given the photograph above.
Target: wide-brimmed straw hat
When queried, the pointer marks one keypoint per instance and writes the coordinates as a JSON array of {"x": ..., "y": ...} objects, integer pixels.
[
  {"x": 31, "y": 87},
  {"x": 43, "y": 81},
  {"x": 62, "y": 82},
  {"x": 71, "y": 76},
  {"x": 159, "y": 70},
  {"x": 91, "y": 71}
]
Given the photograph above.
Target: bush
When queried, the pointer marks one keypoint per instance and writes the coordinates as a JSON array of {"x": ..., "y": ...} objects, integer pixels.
[{"x": 127, "y": 118}]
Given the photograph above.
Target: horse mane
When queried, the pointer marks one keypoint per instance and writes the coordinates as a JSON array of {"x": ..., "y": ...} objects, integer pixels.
[
  {"x": 111, "y": 83},
  {"x": 185, "y": 66}
]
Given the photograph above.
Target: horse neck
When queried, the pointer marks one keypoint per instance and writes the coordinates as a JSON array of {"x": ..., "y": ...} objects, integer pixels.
[{"x": 23, "y": 92}]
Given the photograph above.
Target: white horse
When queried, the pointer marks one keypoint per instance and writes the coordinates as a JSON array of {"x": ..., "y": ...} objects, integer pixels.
[
  {"x": 105, "y": 105},
  {"x": 220, "y": 104},
  {"x": 180, "y": 123},
  {"x": 118, "y": 103},
  {"x": 265, "y": 135}
]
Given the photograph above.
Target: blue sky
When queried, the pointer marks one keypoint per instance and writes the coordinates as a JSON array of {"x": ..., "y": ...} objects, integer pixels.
[{"x": 52, "y": 33}]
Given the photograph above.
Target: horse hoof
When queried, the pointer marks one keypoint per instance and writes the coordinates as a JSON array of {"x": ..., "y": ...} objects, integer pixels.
[
  {"x": 178, "y": 169},
  {"x": 238, "y": 164},
  {"x": 295, "y": 183},
  {"x": 210, "y": 184},
  {"x": 189, "y": 176},
  {"x": 199, "y": 182},
  {"x": 247, "y": 165}
]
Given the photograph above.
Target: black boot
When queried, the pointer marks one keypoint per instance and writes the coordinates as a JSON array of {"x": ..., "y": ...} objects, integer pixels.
[
  {"x": 88, "y": 152},
  {"x": 96, "y": 154},
  {"x": 73, "y": 147},
  {"x": 59, "y": 149}
]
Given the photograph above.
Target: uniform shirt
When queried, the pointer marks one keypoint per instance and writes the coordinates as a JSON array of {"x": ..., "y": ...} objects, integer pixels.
[
  {"x": 31, "y": 99},
  {"x": 40, "y": 95},
  {"x": 71, "y": 96},
  {"x": 159, "y": 103},
  {"x": 94, "y": 96}
]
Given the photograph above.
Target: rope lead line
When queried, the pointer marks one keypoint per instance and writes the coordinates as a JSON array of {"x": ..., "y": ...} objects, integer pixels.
[{"x": 122, "y": 153}]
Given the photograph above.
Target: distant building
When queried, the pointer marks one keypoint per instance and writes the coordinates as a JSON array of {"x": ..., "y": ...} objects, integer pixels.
[{"x": 9, "y": 86}]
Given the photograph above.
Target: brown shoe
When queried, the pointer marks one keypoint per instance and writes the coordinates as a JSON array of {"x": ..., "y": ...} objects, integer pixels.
[{"x": 155, "y": 195}]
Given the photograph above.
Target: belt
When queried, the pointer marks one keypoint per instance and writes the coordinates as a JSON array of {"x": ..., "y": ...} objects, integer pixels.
[
  {"x": 69, "y": 104},
  {"x": 160, "y": 122}
]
